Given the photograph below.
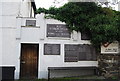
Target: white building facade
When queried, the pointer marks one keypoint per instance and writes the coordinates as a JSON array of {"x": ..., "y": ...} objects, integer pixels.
[
  {"x": 38, "y": 35},
  {"x": 10, "y": 10},
  {"x": 32, "y": 44},
  {"x": 21, "y": 31},
  {"x": 119, "y": 6}
]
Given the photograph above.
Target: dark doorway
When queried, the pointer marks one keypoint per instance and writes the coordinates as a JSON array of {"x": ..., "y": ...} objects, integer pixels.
[{"x": 29, "y": 61}]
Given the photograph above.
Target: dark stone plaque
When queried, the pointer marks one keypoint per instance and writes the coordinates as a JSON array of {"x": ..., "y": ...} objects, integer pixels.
[
  {"x": 30, "y": 22},
  {"x": 51, "y": 49},
  {"x": 80, "y": 52},
  {"x": 71, "y": 53},
  {"x": 56, "y": 49},
  {"x": 47, "y": 49},
  {"x": 82, "y": 56},
  {"x": 58, "y": 30}
]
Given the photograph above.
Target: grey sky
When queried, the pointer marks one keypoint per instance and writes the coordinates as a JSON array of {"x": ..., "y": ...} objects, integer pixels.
[{"x": 49, "y": 3}]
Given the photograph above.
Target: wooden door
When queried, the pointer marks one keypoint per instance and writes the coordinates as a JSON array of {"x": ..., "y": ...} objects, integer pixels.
[{"x": 29, "y": 61}]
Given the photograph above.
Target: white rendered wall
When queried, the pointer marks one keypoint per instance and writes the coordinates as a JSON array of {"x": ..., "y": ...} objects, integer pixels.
[
  {"x": 10, "y": 10},
  {"x": 30, "y": 34},
  {"x": 8, "y": 47},
  {"x": 9, "y": 13},
  {"x": 25, "y": 8},
  {"x": 10, "y": 31},
  {"x": 0, "y": 34},
  {"x": 0, "y": 46},
  {"x": 119, "y": 6},
  {"x": 37, "y": 35},
  {"x": 13, "y": 35}
]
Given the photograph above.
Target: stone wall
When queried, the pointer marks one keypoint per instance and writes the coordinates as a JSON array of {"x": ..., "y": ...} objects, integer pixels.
[{"x": 109, "y": 65}]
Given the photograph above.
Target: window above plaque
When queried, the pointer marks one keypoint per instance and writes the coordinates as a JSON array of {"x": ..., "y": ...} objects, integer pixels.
[
  {"x": 51, "y": 49},
  {"x": 31, "y": 23},
  {"x": 58, "y": 30},
  {"x": 85, "y": 36}
]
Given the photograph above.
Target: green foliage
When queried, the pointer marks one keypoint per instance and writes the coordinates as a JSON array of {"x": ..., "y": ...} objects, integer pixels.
[{"x": 101, "y": 23}]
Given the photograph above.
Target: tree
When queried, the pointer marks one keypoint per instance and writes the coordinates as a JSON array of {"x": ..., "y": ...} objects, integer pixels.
[{"x": 101, "y": 23}]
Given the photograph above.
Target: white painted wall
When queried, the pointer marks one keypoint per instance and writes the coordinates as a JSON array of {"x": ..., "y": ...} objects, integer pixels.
[
  {"x": 30, "y": 34},
  {"x": 25, "y": 8},
  {"x": 8, "y": 47},
  {"x": 7, "y": 32},
  {"x": 0, "y": 34},
  {"x": 10, "y": 31},
  {"x": 119, "y": 6},
  {"x": 11, "y": 10},
  {"x": 0, "y": 46},
  {"x": 9, "y": 13},
  {"x": 38, "y": 35},
  {"x": 14, "y": 33}
]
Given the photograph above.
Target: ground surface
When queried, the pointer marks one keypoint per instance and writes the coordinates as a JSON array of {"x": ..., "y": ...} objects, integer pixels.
[{"x": 83, "y": 78}]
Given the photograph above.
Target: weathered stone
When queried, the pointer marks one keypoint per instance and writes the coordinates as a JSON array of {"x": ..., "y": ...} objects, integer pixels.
[{"x": 109, "y": 65}]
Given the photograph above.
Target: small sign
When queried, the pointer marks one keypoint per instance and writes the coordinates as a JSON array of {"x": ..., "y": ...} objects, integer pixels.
[{"x": 111, "y": 48}]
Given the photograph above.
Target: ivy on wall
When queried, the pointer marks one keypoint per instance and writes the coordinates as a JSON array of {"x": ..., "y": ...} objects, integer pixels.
[{"x": 102, "y": 24}]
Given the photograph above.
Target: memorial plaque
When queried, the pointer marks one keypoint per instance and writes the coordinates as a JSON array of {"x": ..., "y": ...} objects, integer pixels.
[
  {"x": 30, "y": 22},
  {"x": 51, "y": 49},
  {"x": 71, "y": 59},
  {"x": 89, "y": 56},
  {"x": 94, "y": 54},
  {"x": 56, "y": 49},
  {"x": 90, "y": 52},
  {"x": 47, "y": 49},
  {"x": 58, "y": 30},
  {"x": 81, "y": 52},
  {"x": 87, "y": 51},
  {"x": 82, "y": 56},
  {"x": 71, "y": 53}
]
